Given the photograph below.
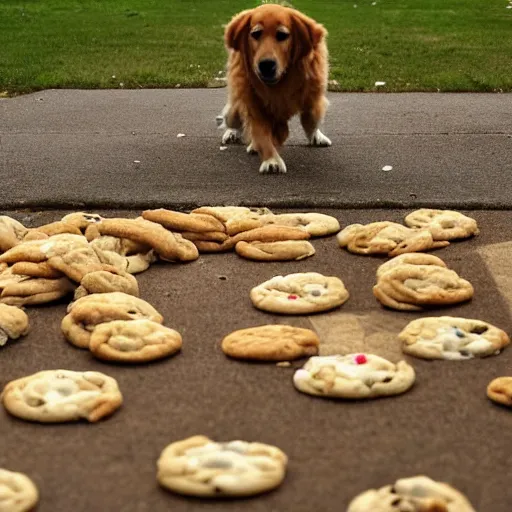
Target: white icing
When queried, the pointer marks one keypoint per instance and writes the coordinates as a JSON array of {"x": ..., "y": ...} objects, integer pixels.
[
  {"x": 450, "y": 345},
  {"x": 345, "y": 367}
]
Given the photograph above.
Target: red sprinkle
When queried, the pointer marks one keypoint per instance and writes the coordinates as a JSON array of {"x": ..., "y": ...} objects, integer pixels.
[
  {"x": 293, "y": 297},
  {"x": 361, "y": 359}
]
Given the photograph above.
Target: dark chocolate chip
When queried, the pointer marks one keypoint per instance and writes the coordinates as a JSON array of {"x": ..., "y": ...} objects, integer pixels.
[{"x": 479, "y": 329}]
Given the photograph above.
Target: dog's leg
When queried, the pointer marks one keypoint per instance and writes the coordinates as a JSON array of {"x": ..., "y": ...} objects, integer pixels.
[
  {"x": 261, "y": 137},
  {"x": 310, "y": 120},
  {"x": 231, "y": 122}
]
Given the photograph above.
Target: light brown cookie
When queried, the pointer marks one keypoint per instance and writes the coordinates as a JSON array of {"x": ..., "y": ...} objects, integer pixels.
[
  {"x": 34, "y": 291},
  {"x": 134, "y": 341},
  {"x": 12, "y": 232},
  {"x": 76, "y": 263},
  {"x": 300, "y": 293},
  {"x": 169, "y": 246},
  {"x": 56, "y": 396},
  {"x": 205, "y": 236},
  {"x": 414, "y": 494},
  {"x": 103, "y": 281},
  {"x": 415, "y": 287},
  {"x": 81, "y": 220},
  {"x": 500, "y": 390},
  {"x": 36, "y": 251},
  {"x": 267, "y": 234},
  {"x": 236, "y": 218},
  {"x": 57, "y": 228},
  {"x": 18, "y": 492},
  {"x": 386, "y": 238},
  {"x": 212, "y": 247},
  {"x": 411, "y": 258},
  {"x": 271, "y": 343},
  {"x": 89, "y": 311},
  {"x": 13, "y": 323},
  {"x": 198, "y": 466},
  {"x": 286, "y": 250},
  {"x": 223, "y": 213},
  {"x": 443, "y": 224},
  {"x": 316, "y": 224},
  {"x": 354, "y": 376},
  {"x": 453, "y": 338},
  {"x": 42, "y": 269},
  {"x": 177, "y": 221}
]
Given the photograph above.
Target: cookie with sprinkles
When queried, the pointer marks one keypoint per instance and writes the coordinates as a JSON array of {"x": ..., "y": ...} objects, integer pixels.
[
  {"x": 353, "y": 376},
  {"x": 301, "y": 293}
]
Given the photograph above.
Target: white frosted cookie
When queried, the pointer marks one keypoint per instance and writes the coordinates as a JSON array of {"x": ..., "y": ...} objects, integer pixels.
[
  {"x": 443, "y": 224},
  {"x": 414, "y": 494},
  {"x": 56, "y": 396},
  {"x": 198, "y": 466},
  {"x": 300, "y": 293},
  {"x": 133, "y": 341},
  {"x": 410, "y": 258},
  {"x": 453, "y": 338},
  {"x": 271, "y": 343},
  {"x": 353, "y": 376},
  {"x": 17, "y": 492},
  {"x": 13, "y": 323}
]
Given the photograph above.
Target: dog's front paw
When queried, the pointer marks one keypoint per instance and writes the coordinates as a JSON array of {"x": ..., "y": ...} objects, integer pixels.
[
  {"x": 320, "y": 140},
  {"x": 231, "y": 136},
  {"x": 275, "y": 164}
]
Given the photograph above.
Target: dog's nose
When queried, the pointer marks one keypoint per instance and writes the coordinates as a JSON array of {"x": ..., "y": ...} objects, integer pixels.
[{"x": 267, "y": 68}]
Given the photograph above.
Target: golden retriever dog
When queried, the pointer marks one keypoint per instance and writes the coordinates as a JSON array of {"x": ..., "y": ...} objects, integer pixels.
[{"x": 277, "y": 68}]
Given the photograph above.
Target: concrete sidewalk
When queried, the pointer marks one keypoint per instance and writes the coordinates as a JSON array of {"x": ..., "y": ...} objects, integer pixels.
[{"x": 62, "y": 148}]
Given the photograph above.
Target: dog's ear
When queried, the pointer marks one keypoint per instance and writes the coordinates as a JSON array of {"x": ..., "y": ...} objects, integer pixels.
[
  {"x": 307, "y": 34},
  {"x": 236, "y": 29}
]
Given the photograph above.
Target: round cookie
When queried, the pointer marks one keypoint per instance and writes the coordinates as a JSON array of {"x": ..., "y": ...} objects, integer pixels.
[
  {"x": 410, "y": 258},
  {"x": 271, "y": 343},
  {"x": 500, "y": 390},
  {"x": 133, "y": 341},
  {"x": 453, "y": 338},
  {"x": 414, "y": 494},
  {"x": 287, "y": 250},
  {"x": 200, "y": 467},
  {"x": 353, "y": 376},
  {"x": 97, "y": 308},
  {"x": 316, "y": 224},
  {"x": 17, "y": 492},
  {"x": 415, "y": 287},
  {"x": 57, "y": 396},
  {"x": 300, "y": 293},
  {"x": 443, "y": 224},
  {"x": 13, "y": 323}
]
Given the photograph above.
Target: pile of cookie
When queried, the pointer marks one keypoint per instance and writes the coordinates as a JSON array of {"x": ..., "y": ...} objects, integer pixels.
[{"x": 94, "y": 260}]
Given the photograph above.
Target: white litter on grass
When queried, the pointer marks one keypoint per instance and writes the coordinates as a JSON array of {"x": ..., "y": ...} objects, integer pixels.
[
  {"x": 121, "y": 84},
  {"x": 113, "y": 76},
  {"x": 355, "y": 6},
  {"x": 223, "y": 148},
  {"x": 508, "y": 7},
  {"x": 136, "y": 161},
  {"x": 180, "y": 135},
  {"x": 380, "y": 84},
  {"x": 387, "y": 168},
  {"x": 374, "y": 3}
]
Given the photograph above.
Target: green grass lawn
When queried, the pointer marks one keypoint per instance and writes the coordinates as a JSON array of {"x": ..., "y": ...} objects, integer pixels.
[{"x": 412, "y": 45}]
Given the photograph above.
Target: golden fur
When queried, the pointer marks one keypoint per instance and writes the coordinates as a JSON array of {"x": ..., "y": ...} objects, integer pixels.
[{"x": 261, "y": 110}]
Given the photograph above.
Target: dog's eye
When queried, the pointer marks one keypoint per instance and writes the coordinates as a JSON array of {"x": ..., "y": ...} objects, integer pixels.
[
  {"x": 282, "y": 36},
  {"x": 256, "y": 34}
]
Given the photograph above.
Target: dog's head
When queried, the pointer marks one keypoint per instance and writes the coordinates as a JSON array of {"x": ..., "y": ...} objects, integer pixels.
[{"x": 272, "y": 38}]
